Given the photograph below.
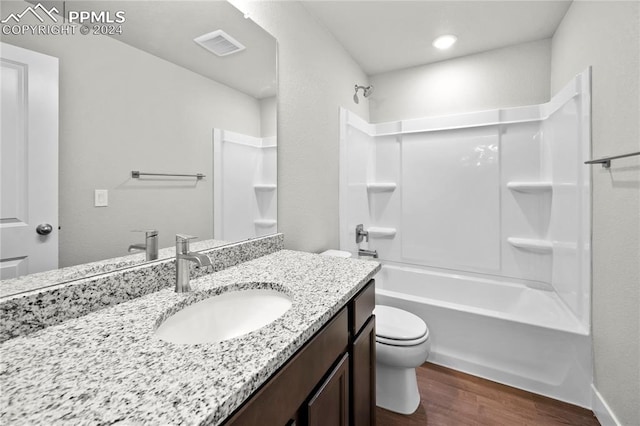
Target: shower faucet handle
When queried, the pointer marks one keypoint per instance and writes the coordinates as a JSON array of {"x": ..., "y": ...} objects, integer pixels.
[{"x": 361, "y": 234}]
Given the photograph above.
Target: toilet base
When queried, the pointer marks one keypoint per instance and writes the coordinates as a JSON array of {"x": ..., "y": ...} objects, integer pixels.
[{"x": 397, "y": 389}]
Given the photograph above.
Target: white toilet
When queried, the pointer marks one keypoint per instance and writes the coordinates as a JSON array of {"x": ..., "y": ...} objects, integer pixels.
[{"x": 402, "y": 344}]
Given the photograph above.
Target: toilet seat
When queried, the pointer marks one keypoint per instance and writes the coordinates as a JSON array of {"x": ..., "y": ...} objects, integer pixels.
[
  {"x": 396, "y": 327},
  {"x": 394, "y": 342}
]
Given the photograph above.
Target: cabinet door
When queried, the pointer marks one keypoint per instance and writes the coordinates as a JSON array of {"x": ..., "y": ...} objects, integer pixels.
[
  {"x": 330, "y": 405},
  {"x": 363, "y": 376}
]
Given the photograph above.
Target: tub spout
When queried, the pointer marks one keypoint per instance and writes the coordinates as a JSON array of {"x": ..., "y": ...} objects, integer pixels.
[{"x": 369, "y": 253}]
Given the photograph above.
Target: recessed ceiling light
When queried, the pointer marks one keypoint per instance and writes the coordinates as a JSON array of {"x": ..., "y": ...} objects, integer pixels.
[{"x": 444, "y": 41}]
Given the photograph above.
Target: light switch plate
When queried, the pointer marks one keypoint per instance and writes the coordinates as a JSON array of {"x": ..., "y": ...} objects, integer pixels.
[{"x": 101, "y": 198}]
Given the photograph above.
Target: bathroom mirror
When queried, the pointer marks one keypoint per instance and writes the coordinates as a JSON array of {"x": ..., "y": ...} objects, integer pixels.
[{"x": 137, "y": 93}]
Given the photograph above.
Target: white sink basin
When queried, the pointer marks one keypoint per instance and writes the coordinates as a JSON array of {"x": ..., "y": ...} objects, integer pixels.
[{"x": 224, "y": 316}]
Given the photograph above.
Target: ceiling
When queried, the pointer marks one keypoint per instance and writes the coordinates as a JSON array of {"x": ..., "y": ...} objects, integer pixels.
[
  {"x": 390, "y": 35},
  {"x": 167, "y": 28},
  {"x": 381, "y": 35}
]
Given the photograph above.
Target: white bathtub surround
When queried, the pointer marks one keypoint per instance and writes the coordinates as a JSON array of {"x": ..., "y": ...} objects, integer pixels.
[
  {"x": 109, "y": 367},
  {"x": 491, "y": 219},
  {"x": 244, "y": 186}
]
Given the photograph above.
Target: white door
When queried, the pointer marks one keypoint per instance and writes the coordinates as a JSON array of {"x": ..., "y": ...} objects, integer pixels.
[{"x": 28, "y": 162}]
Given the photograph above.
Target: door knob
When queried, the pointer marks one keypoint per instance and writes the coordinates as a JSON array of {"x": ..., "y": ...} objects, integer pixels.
[{"x": 44, "y": 229}]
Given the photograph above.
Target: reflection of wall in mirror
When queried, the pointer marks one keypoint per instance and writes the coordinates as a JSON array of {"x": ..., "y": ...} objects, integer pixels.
[{"x": 122, "y": 109}]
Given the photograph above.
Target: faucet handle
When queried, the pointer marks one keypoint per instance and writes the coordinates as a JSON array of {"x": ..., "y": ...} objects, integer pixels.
[
  {"x": 184, "y": 237},
  {"x": 361, "y": 234},
  {"x": 182, "y": 243},
  {"x": 148, "y": 232}
]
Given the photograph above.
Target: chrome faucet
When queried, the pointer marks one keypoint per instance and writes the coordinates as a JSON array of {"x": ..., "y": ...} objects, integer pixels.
[
  {"x": 150, "y": 246},
  {"x": 361, "y": 234},
  {"x": 370, "y": 253},
  {"x": 183, "y": 259}
]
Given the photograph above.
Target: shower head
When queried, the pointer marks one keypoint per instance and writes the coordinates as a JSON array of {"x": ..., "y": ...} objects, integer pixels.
[{"x": 366, "y": 91}]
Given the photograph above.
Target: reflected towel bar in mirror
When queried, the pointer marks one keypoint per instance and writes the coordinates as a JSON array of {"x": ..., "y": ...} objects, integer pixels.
[
  {"x": 136, "y": 174},
  {"x": 606, "y": 161}
]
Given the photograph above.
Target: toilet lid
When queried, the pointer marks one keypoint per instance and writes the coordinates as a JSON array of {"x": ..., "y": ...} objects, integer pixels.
[
  {"x": 336, "y": 253},
  {"x": 395, "y": 326}
]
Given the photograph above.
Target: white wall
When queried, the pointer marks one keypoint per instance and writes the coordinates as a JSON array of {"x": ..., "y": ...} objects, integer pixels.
[
  {"x": 512, "y": 76},
  {"x": 120, "y": 110},
  {"x": 315, "y": 77},
  {"x": 606, "y": 36},
  {"x": 268, "y": 116}
]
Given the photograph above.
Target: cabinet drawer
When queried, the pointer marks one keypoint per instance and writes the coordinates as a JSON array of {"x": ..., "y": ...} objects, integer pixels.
[{"x": 362, "y": 307}]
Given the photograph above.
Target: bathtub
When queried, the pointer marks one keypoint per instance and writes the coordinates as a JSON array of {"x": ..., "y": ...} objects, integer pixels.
[{"x": 503, "y": 331}]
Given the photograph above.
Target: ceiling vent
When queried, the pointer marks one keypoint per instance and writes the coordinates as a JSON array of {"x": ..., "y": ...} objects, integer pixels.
[{"x": 220, "y": 43}]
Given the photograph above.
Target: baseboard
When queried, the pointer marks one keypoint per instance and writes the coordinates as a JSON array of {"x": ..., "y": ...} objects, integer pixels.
[{"x": 601, "y": 409}]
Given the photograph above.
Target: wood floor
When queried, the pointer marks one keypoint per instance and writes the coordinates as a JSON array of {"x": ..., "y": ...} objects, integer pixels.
[{"x": 452, "y": 398}]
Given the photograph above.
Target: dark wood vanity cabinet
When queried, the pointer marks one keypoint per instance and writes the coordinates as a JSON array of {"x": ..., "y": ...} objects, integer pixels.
[
  {"x": 362, "y": 351},
  {"x": 330, "y": 381}
]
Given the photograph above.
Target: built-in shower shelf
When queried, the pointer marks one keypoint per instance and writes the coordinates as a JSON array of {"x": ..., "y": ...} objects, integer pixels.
[
  {"x": 265, "y": 187},
  {"x": 530, "y": 187},
  {"x": 530, "y": 244},
  {"x": 378, "y": 232},
  {"x": 265, "y": 223},
  {"x": 381, "y": 187}
]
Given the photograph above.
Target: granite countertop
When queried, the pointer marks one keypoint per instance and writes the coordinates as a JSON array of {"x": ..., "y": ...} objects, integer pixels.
[
  {"x": 108, "y": 367},
  {"x": 38, "y": 280}
]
